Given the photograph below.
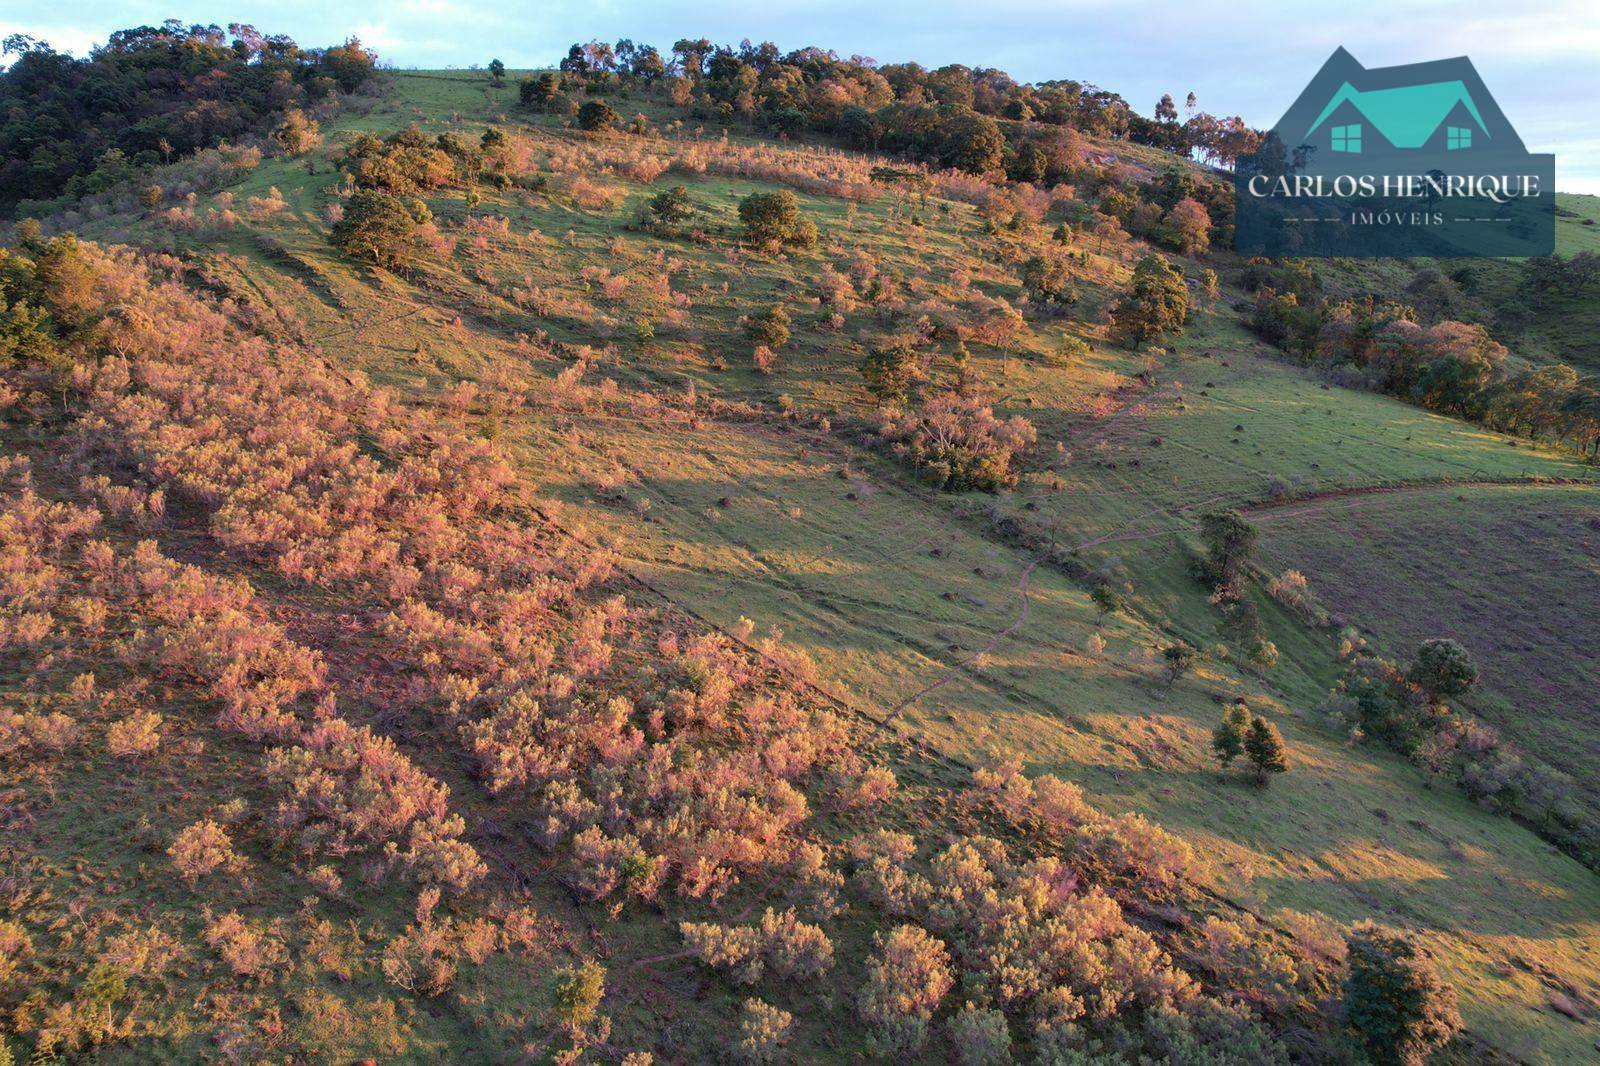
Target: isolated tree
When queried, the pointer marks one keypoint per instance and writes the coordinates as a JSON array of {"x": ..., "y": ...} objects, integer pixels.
[
  {"x": 1227, "y": 740},
  {"x": 1263, "y": 746},
  {"x": 1179, "y": 659},
  {"x": 769, "y": 328},
  {"x": 1166, "y": 110},
  {"x": 671, "y": 207},
  {"x": 775, "y": 216},
  {"x": 1443, "y": 668},
  {"x": 1107, "y": 600},
  {"x": 497, "y": 72},
  {"x": 1156, "y": 303},
  {"x": 1395, "y": 999},
  {"x": 890, "y": 369},
  {"x": 596, "y": 116},
  {"x": 376, "y": 227},
  {"x": 1230, "y": 542}
]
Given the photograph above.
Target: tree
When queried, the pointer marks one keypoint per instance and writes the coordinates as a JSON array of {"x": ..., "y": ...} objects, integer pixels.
[
  {"x": 980, "y": 1037},
  {"x": 497, "y": 72},
  {"x": 578, "y": 993},
  {"x": 1395, "y": 999},
  {"x": 769, "y": 328},
  {"x": 1048, "y": 279},
  {"x": 763, "y": 1030},
  {"x": 1156, "y": 303},
  {"x": 538, "y": 92},
  {"x": 377, "y": 227},
  {"x": 1227, "y": 741},
  {"x": 1443, "y": 668},
  {"x": 973, "y": 143},
  {"x": 1263, "y": 746},
  {"x": 296, "y": 134},
  {"x": 775, "y": 216},
  {"x": 1187, "y": 227},
  {"x": 1179, "y": 659},
  {"x": 1106, "y": 601},
  {"x": 596, "y": 116},
  {"x": 1230, "y": 541},
  {"x": 648, "y": 65},
  {"x": 671, "y": 207},
  {"x": 890, "y": 369}
]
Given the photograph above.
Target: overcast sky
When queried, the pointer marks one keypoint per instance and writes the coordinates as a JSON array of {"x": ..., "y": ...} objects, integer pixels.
[{"x": 1540, "y": 59}]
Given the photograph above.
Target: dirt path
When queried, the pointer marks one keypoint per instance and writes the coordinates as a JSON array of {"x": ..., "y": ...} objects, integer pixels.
[{"x": 1319, "y": 501}]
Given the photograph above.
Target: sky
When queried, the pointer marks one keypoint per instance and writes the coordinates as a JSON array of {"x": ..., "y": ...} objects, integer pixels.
[{"x": 1540, "y": 59}]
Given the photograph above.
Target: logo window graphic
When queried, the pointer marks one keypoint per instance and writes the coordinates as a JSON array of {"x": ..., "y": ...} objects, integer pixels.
[{"x": 1413, "y": 160}]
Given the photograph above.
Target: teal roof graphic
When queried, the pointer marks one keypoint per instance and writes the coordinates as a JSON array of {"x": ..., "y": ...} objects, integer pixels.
[{"x": 1406, "y": 115}]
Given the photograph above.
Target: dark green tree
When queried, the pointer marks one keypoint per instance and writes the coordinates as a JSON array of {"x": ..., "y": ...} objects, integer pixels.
[
  {"x": 578, "y": 993},
  {"x": 1230, "y": 542},
  {"x": 1443, "y": 668},
  {"x": 769, "y": 327},
  {"x": 973, "y": 143},
  {"x": 1048, "y": 279},
  {"x": 1394, "y": 998},
  {"x": 1227, "y": 740},
  {"x": 497, "y": 72},
  {"x": 377, "y": 227},
  {"x": 671, "y": 207},
  {"x": 1157, "y": 303},
  {"x": 1107, "y": 600},
  {"x": 890, "y": 370},
  {"x": 596, "y": 116},
  {"x": 775, "y": 216},
  {"x": 538, "y": 92}
]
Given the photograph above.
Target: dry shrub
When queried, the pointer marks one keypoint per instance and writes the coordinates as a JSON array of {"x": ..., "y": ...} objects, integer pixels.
[
  {"x": 200, "y": 849},
  {"x": 136, "y": 736}
]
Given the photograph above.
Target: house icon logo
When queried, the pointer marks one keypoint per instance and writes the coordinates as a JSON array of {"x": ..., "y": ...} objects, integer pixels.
[{"x": 1414, "y": 160}]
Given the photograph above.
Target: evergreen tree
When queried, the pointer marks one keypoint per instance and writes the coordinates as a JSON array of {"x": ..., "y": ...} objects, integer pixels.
[
  {"x": 1229, "y": 737},
  {"x": 1263, "y": 746}
]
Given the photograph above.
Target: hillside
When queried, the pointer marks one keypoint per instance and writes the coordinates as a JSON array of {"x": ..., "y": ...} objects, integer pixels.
[{"x": 535, "y": 644}]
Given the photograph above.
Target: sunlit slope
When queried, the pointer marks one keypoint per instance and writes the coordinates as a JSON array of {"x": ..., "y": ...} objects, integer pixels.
[{"x": 973, "y": 635}]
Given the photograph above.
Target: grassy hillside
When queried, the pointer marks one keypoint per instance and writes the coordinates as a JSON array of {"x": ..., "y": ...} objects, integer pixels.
[
  {"x": 609, "y": 368},
  {"x": 1443, "y": 553}
]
